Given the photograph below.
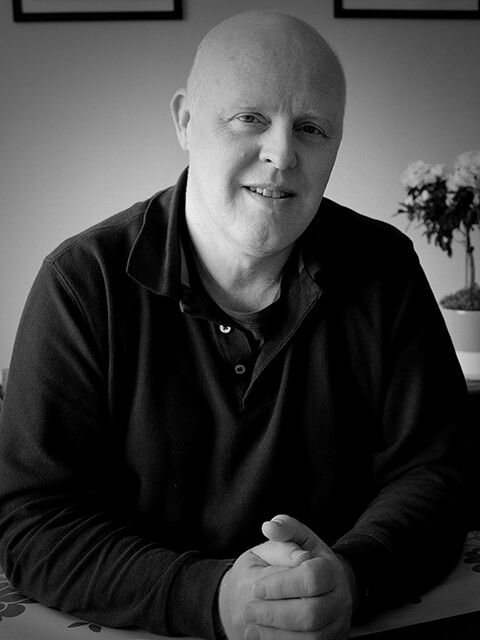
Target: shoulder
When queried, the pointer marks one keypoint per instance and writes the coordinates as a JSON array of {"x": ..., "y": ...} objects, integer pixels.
[
  {"x": 350, "y": 223},
  {"x": 90, "y": 268},
  {"x": 115, "y": 234},
  {"x": 344, "y": 236},
  {"x": 105, "y": 247}
]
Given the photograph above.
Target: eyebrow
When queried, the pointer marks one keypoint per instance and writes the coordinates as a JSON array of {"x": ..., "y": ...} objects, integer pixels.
[
  {"x": 327, "y": 116},
  {"x": 315, "y": 113},
  {"x": 245, "y": 107}
]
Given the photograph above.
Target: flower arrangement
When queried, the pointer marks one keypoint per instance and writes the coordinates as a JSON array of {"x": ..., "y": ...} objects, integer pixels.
[{"x": 448, "y": 206}]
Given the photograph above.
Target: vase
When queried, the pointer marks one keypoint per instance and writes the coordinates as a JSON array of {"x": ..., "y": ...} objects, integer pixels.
[{"x": 464, "y": 329}]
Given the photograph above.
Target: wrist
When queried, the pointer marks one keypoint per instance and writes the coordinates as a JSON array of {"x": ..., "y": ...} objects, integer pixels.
[
  {"x": 218, "y": 624},
  {"x": 352, "y": 581}
]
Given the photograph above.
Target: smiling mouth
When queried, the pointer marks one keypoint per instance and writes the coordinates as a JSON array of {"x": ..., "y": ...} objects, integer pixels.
[{"x": 270, "y": 193}]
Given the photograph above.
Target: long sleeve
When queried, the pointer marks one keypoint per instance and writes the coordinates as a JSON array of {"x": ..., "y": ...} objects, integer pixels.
[
  {"x": 413, "y": 529},
  {"x": 67, "y": 535}
]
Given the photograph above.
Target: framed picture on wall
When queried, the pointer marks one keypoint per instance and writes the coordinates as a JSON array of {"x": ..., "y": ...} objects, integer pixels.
[
  {"x": 407, "y": 8},
  {"x": 48, "y": 10}
]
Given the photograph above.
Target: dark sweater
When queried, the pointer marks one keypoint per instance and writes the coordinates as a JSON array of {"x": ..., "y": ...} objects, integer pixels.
[{"x": 133, "y": 467}]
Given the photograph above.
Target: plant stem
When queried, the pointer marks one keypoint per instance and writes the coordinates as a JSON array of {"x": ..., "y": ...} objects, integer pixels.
[{"x": 469, "y": 262}]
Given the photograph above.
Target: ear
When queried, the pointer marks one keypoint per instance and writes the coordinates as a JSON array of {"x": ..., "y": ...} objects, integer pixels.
[{"x": 181, "y": 116}]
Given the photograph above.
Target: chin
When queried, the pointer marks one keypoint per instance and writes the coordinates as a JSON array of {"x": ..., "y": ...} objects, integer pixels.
[{"x": 265, "y": 247}]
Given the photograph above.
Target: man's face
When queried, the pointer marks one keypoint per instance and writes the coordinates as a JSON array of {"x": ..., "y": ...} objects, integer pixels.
[{"x": 262, "y": 140}]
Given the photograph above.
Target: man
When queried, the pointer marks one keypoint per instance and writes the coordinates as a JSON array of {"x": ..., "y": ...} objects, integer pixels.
[{"x": 234, "y": 348}]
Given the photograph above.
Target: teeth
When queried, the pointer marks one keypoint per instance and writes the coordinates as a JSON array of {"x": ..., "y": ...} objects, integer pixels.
[{"x": 267, "y": 193}]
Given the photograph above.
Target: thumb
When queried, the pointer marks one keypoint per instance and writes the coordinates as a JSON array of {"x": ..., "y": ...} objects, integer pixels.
[
  {"x": 283, "y": 528},
  {"x": 280, "y": 554}
]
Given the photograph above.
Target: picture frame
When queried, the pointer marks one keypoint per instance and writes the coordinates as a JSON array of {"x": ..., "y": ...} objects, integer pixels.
[
  {"x": 466, "y": 9},
  {"x": 61, "y": 10}
]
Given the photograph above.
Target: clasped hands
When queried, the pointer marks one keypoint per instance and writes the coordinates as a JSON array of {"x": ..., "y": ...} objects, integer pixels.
[{"x": 291, "y": 587}]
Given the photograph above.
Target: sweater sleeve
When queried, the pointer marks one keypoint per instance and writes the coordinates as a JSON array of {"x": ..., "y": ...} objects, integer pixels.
[
  {"x": 67, "y": 537},
  {"x": 413, "y": 530}
]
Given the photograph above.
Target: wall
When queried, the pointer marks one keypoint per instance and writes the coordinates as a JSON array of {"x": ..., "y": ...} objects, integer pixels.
[{"x": 85, "y": 127}]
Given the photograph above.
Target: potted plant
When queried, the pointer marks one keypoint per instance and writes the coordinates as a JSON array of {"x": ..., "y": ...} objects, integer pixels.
[{"x": 447, "y": 204}]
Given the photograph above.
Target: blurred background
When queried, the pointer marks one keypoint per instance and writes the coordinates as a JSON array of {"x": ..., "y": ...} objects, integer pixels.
[{"x": 85, "y": 127}]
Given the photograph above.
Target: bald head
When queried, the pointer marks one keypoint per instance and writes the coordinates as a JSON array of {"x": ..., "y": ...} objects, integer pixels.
[
  {"x": 265, "y": 41},
  {"x": 262, "y": 121}
]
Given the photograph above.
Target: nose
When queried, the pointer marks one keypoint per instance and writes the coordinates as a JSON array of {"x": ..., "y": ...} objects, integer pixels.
[{"x": 278, "y": 147}]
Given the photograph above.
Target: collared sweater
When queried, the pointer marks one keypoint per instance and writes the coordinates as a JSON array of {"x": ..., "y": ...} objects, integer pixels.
[{"x": 134, "y": 467}]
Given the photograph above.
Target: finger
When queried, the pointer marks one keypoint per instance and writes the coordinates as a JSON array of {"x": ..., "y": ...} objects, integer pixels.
[
  {"x": 313, "y": 577},
  {"x": 296, "y": 614},
  {"x": 285, "y": 554},
  {"x": 279, "y": 528},
  {"x": 282, "y": 528}
]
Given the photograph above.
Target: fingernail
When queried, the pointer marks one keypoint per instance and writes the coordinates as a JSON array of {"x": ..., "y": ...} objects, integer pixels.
[
  {"x": 249, "y": 615},
  {"x": 252, "y": 633},
  {"x": 259, "y": 591}
]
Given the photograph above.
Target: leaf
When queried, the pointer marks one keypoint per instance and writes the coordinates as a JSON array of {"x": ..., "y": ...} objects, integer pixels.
[
  {"x": 13, "y": 610},
  {"x": 13, "y": 597},
  {"x": 96, "y": 628}
]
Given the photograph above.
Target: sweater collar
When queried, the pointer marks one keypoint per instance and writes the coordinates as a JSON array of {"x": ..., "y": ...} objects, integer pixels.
[{"x": 157, "y": 259}]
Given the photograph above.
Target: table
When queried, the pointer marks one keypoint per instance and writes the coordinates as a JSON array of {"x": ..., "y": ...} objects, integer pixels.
[
  {"x": 450, "y": 611},
  {"x": 464, "y": 627}
]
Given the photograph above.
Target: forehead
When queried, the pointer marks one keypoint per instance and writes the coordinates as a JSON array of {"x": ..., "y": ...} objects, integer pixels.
[
  {"x": 263, "y": 58},
  {"x": 284, "y": 83}
]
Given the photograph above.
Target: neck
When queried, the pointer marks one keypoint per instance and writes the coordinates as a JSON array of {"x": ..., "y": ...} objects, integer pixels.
[
  {"x": 239, "y": 289},
  {"x": 235, "y": 280}
]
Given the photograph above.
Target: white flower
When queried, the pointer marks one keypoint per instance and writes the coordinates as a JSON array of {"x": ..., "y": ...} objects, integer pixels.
[
  {"x": 420, "y": 173},
  {"x": 469, "y": 161},
  {"x": 414, "y": 173},
  {"x": 461, "y": 177},
  {"x": 466, "y": 171},
  {"x": 437, "y": 172}
]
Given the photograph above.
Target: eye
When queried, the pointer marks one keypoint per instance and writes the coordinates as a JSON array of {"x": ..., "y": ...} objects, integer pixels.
[
  {"x": 249, "y": 118},
  {"x": 312, "y": 129}
]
